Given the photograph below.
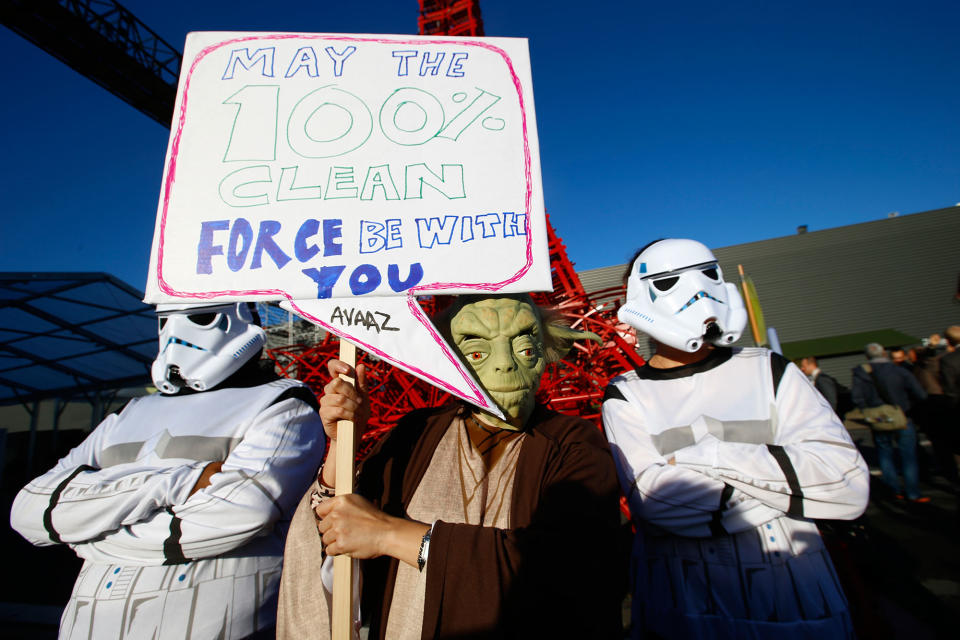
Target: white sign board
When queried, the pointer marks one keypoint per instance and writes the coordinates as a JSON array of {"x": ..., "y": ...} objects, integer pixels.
[{"x": 338, "y": 171}]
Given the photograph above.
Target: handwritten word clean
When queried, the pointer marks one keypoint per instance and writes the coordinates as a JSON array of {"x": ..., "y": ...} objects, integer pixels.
[{"x": 259, "y": 185}]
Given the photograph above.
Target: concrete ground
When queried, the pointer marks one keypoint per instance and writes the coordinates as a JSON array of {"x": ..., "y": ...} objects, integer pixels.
[{"x": 903, "y": 559}]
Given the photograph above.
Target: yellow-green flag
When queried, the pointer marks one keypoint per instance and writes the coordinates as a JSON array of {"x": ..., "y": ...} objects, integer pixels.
[{"x": 757, "y": 326}]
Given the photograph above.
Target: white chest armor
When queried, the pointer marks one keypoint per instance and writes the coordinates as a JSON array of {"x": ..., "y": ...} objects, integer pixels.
[
  {"x": 722, "y": 462},
  {"x": 162, "y": 560}
]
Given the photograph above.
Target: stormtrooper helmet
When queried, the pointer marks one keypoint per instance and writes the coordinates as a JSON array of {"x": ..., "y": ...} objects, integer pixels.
[
  {"x": 202, "y": 344},
  {"x": 677, "y": 296}
]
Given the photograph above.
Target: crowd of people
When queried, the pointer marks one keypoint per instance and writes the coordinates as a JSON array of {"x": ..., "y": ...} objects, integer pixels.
[
  {"x": 920, "y": 382},
  {"x": 208, "y": 510}
]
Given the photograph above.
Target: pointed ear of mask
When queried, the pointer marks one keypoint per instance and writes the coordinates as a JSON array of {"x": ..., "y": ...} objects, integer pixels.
[{"x": 560, "y": 340}]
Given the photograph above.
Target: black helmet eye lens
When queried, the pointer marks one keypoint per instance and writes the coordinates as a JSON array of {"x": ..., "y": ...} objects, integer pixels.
[
  {"x": 163, "y": 322},
  {"x": 665, "y": 284},
  {"x": 711, "y": 272},
  {"x": 203, "y": 319}
]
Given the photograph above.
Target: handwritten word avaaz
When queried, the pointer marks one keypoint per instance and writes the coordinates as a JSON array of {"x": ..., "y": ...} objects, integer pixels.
[{"x": 376, "y": 320}]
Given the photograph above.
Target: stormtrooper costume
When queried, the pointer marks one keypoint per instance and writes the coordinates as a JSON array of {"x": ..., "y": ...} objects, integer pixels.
[
  {"x": 723, "y": 461},
  {"x": 164, "y": 558}
]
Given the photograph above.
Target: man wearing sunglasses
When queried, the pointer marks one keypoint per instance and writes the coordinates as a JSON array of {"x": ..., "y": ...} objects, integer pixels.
[
  {"x": 179, "y": 503},
  {"x": 724, "y": 454}
]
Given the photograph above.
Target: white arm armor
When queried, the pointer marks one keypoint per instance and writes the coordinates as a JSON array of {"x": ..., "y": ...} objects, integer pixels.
[
  {"x": 812, "y": 470},
  {"x": 680, "y": 500},
  {"x": 260, "y": 482}
]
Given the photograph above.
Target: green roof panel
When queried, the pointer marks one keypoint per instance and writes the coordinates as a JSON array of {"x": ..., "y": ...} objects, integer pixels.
[{"x": 846, "y": 344}]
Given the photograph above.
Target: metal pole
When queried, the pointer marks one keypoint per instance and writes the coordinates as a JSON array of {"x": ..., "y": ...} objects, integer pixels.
[
  {"x": 32, "y": 443},
  {"x": 57, "y": 409},
  {"x": 96, "y": 411}
]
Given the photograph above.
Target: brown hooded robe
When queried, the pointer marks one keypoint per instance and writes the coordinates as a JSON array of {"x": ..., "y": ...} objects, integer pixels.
[{"x": 558, "y": 573}]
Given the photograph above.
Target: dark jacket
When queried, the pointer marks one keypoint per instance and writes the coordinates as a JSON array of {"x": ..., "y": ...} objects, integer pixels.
[
  {"x": 950, "y": 374},
  {"x": 828, "y": 388},
  {"x": 901, "y": 386}
]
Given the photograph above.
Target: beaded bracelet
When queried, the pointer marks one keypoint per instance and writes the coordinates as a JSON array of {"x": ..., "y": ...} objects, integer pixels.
[{"x": 424, "y": 549}]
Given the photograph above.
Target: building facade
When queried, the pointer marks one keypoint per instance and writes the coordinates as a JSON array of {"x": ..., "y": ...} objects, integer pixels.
[{"x": 828, "y": 293}]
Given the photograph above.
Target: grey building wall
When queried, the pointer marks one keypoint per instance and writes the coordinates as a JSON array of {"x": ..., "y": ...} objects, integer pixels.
[{"x": 896, "y": 273}]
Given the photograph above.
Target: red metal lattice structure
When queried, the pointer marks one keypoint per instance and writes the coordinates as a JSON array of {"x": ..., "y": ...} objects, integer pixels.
[
  {"x": 450, "y": 18},
  {"x": 574, "y": 385}
]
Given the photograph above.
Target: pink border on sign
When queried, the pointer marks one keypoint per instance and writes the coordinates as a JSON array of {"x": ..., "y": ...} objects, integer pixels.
[
  {"x": 425, "y": 288},
  {"x": 416, "y": 311}
]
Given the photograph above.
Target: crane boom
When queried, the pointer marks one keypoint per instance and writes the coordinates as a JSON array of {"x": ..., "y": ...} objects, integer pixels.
[{"x": 104, "y": 41}]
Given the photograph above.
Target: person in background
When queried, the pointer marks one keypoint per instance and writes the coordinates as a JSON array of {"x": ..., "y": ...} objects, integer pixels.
[
  {"x": 950, "y": 381},
  {"x": 180, "y": 502},
  {"x": 936, "y": 416},
  {"x": 899, "y": 357},
  {"x": 903, "y": 390},
  {"x": 950, "y": 366},
  {"x": 927, "y": 366},
  {"x": 825, "y": 384},
  {"x": 725, "y": 456}
]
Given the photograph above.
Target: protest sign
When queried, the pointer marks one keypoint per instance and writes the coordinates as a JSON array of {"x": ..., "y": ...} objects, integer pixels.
[
  {"x": 345, "y": 175},
  {"x": 338, "y": 171}
]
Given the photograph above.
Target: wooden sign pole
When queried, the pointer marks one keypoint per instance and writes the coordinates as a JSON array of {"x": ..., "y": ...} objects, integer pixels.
[{"x": 342, "y": 614}]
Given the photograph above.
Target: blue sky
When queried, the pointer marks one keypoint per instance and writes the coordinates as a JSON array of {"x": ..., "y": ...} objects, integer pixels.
[{"x": 728, "y": 122}]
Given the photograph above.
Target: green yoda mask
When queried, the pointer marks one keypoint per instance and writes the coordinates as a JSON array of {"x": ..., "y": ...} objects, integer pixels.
[{"x": 507, "y": 343}]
